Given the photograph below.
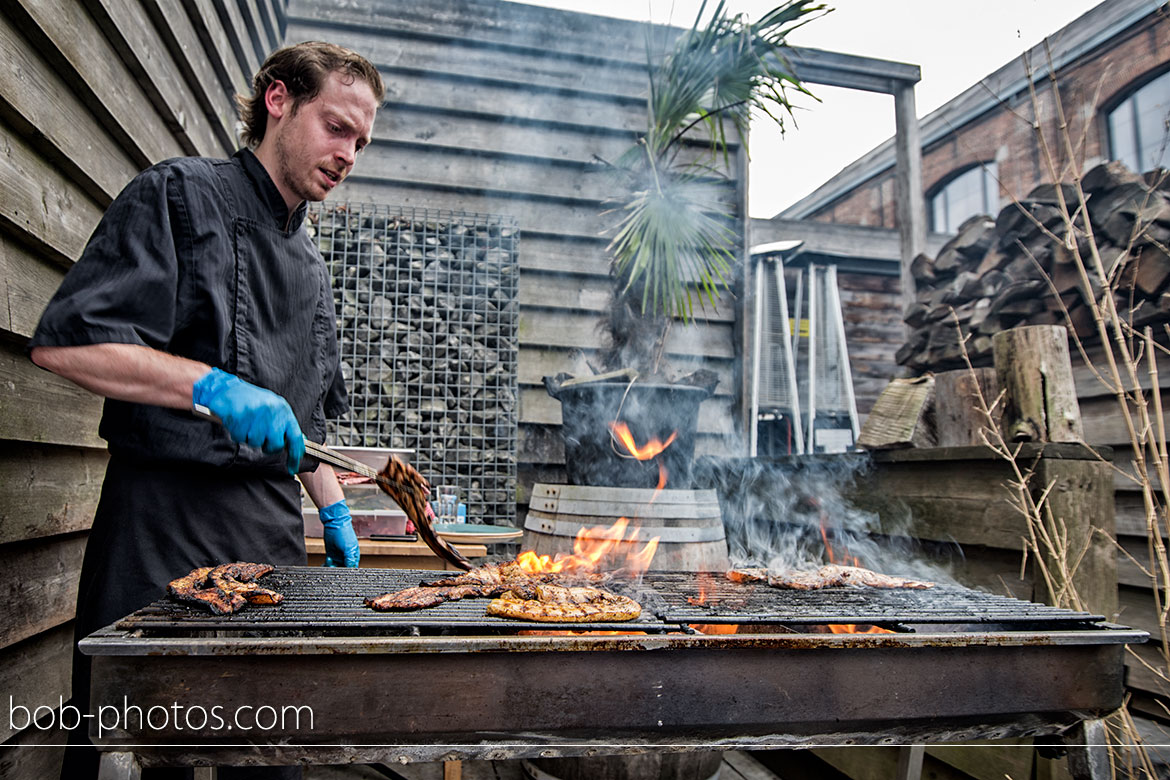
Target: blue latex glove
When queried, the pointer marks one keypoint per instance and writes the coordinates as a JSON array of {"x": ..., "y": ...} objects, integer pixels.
[
  {"x": 341, "y": 543},
  {"x": 252, "y": 415}
]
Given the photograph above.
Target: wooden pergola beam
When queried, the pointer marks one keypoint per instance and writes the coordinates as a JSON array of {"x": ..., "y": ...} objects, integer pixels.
[{"x": 816, "y": 66}]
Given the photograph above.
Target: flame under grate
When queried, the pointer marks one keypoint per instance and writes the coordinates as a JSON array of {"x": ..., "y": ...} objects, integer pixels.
[
  {"x": 713, "y": 599},
  {"x": 331, "y": 601}
]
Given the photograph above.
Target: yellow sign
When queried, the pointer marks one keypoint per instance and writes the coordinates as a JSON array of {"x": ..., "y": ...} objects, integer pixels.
[{"x": 803, "y": 327}]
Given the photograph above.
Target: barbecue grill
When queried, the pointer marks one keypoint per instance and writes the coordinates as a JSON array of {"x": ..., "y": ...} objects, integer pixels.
[{"x": 451, "y": 682}]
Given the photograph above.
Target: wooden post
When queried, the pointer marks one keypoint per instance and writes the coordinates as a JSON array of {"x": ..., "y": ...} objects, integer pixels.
[
  {"x": 1088, "y": 751},
  {"x": 910, "y": 762},
  {"x": 909, "y": 204},
  {"x": 958, "y": 411},
  {"x": 119, "y": 766},
  {"x": 1040, "y": 398}
]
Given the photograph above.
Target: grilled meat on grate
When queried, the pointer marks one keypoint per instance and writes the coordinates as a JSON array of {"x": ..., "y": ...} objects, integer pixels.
[
  {"x": 226, "y": 588},
  {"x": 409, "y": 489},
  {"x": 830, "y": 576},
  {"x": 559, "y": 604},
  {"x": 483, "y": 582}
]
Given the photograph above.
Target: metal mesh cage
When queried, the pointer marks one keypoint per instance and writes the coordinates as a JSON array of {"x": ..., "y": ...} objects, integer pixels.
[{"x": 427, "y": 318}]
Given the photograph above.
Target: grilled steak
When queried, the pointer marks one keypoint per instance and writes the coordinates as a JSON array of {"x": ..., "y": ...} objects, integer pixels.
[
  {"x": 558, "y": 604},
  {"x": 409, "y": 489},
  {"x": 830, "y": 576},
  {"x": 226, "y": 588},
  {"x": 411, "y": 598},
  {"x": 483, "y": 582}
]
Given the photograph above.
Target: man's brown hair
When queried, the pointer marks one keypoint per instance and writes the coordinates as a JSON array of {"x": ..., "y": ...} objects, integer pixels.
[{"x": 303, "y": 68}]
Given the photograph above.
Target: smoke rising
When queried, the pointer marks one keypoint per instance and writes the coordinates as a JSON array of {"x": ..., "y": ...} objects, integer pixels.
[{"x": 794, "y": 513}]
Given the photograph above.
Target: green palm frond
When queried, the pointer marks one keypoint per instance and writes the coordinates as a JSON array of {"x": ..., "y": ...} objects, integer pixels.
[
  {"x": 669, "y": 234},
  {"x": 674, "y": 241}
]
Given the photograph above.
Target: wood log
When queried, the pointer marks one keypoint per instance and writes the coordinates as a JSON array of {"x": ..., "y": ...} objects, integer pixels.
[
  {"x": 1152, "y": 271},
  {"x": 1082, "y": 321},
  {"x": 1108, "y": 176},
  {"x": 976, "y": 236},
  {"x": 901, "y": 416},
  {"x": 979, "y": 311},
  {"x": 1046, "y": 193},
  {"x": 1040, "y": 398},
  {"x": 961, "y": 400},
  {"x": 922, "y": 269}
]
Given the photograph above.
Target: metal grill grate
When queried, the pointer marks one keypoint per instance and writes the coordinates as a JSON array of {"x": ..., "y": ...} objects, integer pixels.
[
  {"x": 427, "y": 321},
  {"x": 332, "y": 601},
  {"x": 713, "y": 599}
]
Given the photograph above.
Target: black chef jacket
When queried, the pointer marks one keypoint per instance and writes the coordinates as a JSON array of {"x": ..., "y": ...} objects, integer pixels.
[{"x": 198, "y": 258}]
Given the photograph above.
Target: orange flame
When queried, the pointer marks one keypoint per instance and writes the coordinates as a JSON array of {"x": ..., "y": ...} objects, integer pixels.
[
  {"x": 851, "y": 628},
  {"x": 661, "y": 481},
  {"x": 565, "y": 632},
  {"x": 646, "y": 452},
  {"x": 849, "y": 560},
  {"x": 716, "y": 628},
  {"x": 594, "y": 549}
]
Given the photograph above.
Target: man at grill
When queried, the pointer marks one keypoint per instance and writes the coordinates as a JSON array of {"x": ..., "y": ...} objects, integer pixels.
[{"x": 200, "y": 287}]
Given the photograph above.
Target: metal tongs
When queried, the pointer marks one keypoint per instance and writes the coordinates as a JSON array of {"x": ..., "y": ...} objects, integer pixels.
[{"x": 422, "y": 523}]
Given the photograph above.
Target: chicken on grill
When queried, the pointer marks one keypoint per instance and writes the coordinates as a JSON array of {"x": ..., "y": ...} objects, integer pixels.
[
  {"x": 830, "y": 576},
  {"x": 226, "y": 588},
  {"x": 488, "y": 581},
  {"x": 559, "y": 604}
]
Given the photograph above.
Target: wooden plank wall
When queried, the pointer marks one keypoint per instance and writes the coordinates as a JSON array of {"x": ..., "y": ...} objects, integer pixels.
[
  {"x": 871, "y": 305},
  {"x": 503, "y": 108},
  {"x": 94, "y": 91},
  {"x": 1104, "y": 425}
]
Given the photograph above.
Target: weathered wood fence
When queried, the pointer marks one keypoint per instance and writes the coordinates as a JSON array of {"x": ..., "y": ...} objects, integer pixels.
[{"x": 91, "y": 93}]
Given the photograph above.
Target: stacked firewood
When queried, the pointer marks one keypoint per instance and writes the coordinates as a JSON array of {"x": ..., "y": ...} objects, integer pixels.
[
  {"x": 427, "y": 328},
  {"x": 1020, "y": 268}
]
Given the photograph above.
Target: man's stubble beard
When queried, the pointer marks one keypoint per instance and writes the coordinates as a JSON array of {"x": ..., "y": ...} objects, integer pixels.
[{"x": 283, "y": 156}]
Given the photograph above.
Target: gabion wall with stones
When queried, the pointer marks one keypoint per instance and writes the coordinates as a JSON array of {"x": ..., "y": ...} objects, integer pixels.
[{"x": 427, "y": 320}]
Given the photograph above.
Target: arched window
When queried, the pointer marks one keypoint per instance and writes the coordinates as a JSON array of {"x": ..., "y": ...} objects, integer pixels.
[
  {"x": 974, "y": 191},
  {"x": 1139, "y": 127}
]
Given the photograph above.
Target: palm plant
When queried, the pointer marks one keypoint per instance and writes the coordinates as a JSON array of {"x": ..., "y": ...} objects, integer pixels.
[{"x": 675, "y": 243}]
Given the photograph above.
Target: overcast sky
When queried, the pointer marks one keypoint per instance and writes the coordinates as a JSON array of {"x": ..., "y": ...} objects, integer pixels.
[{"x": 956, "y": 44}]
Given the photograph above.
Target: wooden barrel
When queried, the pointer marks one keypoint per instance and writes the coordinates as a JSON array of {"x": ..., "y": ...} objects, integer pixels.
[
  {"x": 687, "y": 522},
  {"x": 653, "y": 765}
]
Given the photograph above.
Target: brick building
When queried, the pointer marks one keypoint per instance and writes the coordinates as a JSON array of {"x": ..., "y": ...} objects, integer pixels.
[{"x": 979, "y": 150}]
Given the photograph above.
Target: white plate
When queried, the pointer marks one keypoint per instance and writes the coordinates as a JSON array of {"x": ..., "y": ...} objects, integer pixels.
[{"x": 470, "y": 533}]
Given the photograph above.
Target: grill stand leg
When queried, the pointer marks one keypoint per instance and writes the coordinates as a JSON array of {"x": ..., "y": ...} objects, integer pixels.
[
  {"x": 452, "y": 770},
  {"x": 119, "y": 766},
  {"x": 1088, "y": 751},
  {"x": 910, "y": 762}
]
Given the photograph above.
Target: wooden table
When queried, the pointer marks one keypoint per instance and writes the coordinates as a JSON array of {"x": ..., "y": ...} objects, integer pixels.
[{"x": 394, "y": 555}]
